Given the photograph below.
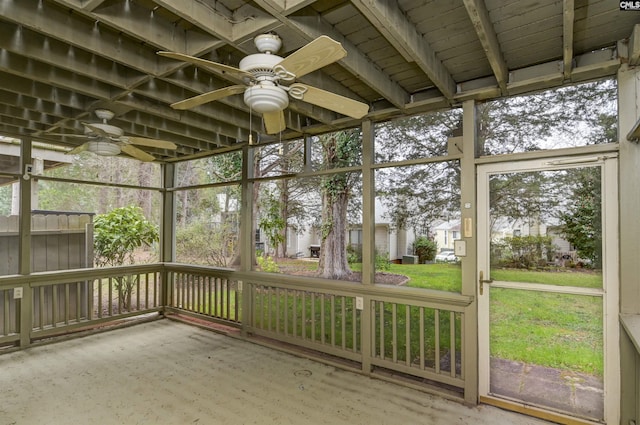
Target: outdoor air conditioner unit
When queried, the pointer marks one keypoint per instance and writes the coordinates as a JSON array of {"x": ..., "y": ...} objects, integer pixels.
[{"x": 409, "y": 259}]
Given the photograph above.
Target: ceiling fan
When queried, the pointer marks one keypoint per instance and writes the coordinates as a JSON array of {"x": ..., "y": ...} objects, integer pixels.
[
  {"x": 108, "y": 140},
  {"x": 266, "y": 74}
]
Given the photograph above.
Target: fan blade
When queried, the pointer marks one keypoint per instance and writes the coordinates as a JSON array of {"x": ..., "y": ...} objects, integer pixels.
[
  {"x": 320, "y": 52},
  {"x": 208, "y": 97},
  {"x": 137, "y": 153},
  {"x": 96, "y": 130},
  {"x": 78, "y": 149},
  {"x": 274, "y": 122},
  {"x": 212, "y": 66},
  {"x": 82, "y": 136},
  {"x": 343, "y": 105},
  {"x": 152, "y": 143}
]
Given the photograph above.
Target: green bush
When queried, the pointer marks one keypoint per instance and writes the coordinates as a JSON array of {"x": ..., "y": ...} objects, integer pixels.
[
  {"x": 528, "y": 252},
  {"x": 268, "y": 264},
  {"x": 382, "y": 261},
  {"x": 425, "y": 249}
]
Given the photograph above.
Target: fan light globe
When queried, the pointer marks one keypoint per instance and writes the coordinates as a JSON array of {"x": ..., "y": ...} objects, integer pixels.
[
  {"x": 266, "y": 98},
  {"x": 103, "y": 148}
]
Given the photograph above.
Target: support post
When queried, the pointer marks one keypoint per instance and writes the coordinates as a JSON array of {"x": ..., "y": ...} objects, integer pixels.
[
  {"x": 469, "y": 263},
  {"x": 368, "y": 239},
  {"x": 168, "y": 228},
  {"x": 629, "y": 176},
  {"x": 26, "y": 302}
]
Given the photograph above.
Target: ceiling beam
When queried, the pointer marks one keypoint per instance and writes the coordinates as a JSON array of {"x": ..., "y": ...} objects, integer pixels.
[
  {"x": 69, "y": 29},
  {"x": 568, "y": 13},
  {"x": 481, "y": 21},
  {"x": 24, "y": 42},
  {"x": 202, "y": 14},
  {"x": 401, "y": 33},
  {"x": 311, "y": 27},
  {"x": 139, "y": 22}
]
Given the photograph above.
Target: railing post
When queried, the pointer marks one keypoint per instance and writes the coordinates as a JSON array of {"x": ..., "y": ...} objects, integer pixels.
[
  {"x": 246, "y": 319},
  {"x": 366, "y": 334},
  {"x": 25, "y": 315}
]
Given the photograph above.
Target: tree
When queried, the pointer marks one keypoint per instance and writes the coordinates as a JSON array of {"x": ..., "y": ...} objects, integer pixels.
[
  {"x": 582, "y": 219},
  {"x": 416, "y": 196},
  {"x": 272, "y": 222},
  {"x": 340, "y": 149},
  {"x": 117, "y": 235}
]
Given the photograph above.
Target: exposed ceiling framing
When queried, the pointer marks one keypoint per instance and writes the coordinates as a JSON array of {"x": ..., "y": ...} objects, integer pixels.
[{"x": 62, "y": 59}]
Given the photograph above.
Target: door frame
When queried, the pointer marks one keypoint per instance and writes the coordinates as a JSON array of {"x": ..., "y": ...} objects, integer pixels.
[{"x": 610, "y": 291}]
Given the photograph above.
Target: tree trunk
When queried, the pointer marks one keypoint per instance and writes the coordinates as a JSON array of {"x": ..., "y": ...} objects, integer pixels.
[
  {"x": 281, "y": 251},
  {"x": 333, "y": 248}
]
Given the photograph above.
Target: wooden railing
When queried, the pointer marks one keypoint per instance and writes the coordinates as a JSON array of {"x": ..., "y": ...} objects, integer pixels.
[
  {"x": 411, "y": 331},
  {"x": 204, "y": 292},
  {"x": 55, "y": 303}
]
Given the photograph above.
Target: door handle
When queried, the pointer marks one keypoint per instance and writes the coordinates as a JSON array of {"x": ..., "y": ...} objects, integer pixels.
[{"x": 482, "y": 281}]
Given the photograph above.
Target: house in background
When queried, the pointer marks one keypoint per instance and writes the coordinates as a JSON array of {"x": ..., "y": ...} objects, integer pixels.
[{"x": 445, "y": 232}]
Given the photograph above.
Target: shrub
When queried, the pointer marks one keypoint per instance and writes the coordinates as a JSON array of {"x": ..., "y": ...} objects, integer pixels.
[
  {"x": 425, "y": 249},
  {"x": 268, "y": 264}
]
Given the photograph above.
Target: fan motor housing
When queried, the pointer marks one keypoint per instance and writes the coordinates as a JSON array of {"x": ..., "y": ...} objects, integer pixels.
[{"x": 260, "y": 65}]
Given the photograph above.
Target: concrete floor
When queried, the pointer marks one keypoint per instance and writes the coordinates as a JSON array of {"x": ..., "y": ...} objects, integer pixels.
[{"x": 165, "y": 372}]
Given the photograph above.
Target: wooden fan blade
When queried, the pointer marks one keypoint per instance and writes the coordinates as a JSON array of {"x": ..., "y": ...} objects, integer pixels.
[
  {"x": 274, "y": 122},
  {"x": 320, "y": 52},
  {"x": 136, "y": 153},
  {"x": 78, "y": 149},
  {"x": 192, "y": 102},
  {"x": 343, "y": 105},
  {"x": 152, "y": 143},
  {"x": 212, "y": 66},
  {"x": 82, "y": 136}
]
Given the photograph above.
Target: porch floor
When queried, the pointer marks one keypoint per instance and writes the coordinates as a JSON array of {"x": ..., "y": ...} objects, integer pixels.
[{"x": 165, "y": 372}]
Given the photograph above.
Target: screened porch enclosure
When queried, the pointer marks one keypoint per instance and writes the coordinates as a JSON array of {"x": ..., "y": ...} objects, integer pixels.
[{"x": 443, "y": 228}]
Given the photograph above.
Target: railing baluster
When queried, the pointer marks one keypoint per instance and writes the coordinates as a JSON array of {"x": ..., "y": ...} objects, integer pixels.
[
  {"x": 295, "y": 313},
  {"x": 343, "y": 321},
  {"x": 304, "y": 316},
  {"x": 381, "y": 305},
  {"x": 354, "y": 326},
  {"x": 67, "y": 301},
  {"x": 269, "y": 304},
  {"x": 6, "y": 325},
  {"x": 41, "y": 307},
  {"x": 394, "y": 332},
  {"x": 100, "y": 290},
  {"x": 313, "y": 316},
  {"x": 436, "y": 323},
  {"x": 452, "y": 343},
  {"x": 54, "y": 310},
  {"x": 286, "y": 311},
  {"x": 278, "y": 310},
  {"x": 421, "y": 338},
  {"x": 228, "y": 292},
  {"x": 407, "y": 332},
  {"x": 209, "y": 294},
  {"x": 322, "y": 320},
  {"x": 333, "y": 319}
]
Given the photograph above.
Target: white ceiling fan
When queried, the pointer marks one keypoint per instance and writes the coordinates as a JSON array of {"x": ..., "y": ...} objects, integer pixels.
[
  {"x": 265, "y": 74},
  {"x": 108, "y": 140}
]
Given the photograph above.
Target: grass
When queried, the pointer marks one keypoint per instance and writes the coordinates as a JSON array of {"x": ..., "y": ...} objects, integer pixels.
[
  {"x": 555, "y": 330},
  {"x": 571, "y": 277}
]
